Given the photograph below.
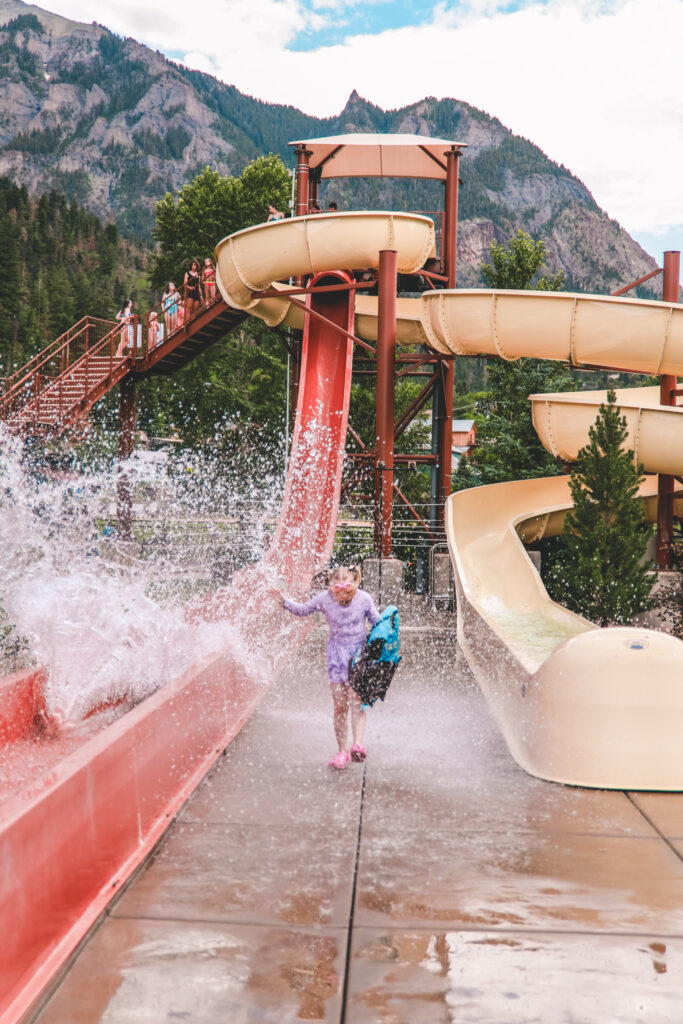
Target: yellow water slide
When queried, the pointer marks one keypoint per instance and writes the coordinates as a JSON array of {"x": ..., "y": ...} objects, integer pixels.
[{"x": 576, "y": 704}]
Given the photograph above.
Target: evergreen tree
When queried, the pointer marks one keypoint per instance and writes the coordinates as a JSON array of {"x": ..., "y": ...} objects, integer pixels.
[{"x": 599, "y": 574}]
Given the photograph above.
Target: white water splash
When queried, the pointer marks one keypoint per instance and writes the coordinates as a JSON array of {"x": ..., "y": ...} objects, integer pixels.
[{"x": 93, "y": 624}]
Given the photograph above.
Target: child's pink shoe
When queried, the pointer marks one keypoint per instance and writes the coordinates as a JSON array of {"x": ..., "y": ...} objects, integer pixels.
[
  {"x": 358, "y": 753},
  {"x": 339, "y": 761}
]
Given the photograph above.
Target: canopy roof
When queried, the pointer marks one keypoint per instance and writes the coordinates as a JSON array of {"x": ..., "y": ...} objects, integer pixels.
[{"x": 379, "y": 156}]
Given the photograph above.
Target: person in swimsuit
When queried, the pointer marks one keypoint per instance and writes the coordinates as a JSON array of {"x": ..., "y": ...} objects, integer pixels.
[
  {"x": 193, "y": 290},
  {"x": 209, "y": 281},
  {"x": 274, "y": 214},
  {"x": 169, "y": 304},
  {"x": 346, "y": 609}
]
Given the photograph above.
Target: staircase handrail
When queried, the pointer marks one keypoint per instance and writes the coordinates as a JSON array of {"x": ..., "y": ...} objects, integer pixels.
[
  {"x": 35, "y": 364},
  {"x": 109, "y": 340}
]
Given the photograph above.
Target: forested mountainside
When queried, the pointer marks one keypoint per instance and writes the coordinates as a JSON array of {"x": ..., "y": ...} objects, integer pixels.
[
  {"x": 58, "y": 263},
  {"x": 114, "y": 125}
]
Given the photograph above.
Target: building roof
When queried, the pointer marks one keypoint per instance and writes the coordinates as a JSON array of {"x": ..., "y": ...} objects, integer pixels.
[
  {"x": 462, "y": 426},
  {"x": 365, "y": 155}
]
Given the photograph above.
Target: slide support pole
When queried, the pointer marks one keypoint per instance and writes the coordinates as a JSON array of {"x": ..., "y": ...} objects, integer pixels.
[
  {"x": 303, "y": 162},
  {"x": 384, "y": 403},
  {"x": 124, "y": 504},
  {"x": 303, "y": 184},
  {"x": 668, "y": 384},
  {"x": 444, "y": 427}
]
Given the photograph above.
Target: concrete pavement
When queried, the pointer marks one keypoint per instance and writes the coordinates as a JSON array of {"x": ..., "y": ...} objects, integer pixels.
[{"x": 437, "y": 883}]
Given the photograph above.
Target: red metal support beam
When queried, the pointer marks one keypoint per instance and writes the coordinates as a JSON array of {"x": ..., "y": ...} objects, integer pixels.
[
  {"x": 668, "y": 385},
  {"x": 303, "y": 161},
  {"x": 415, "y": 406},
  {"x": 124, "y": 505},
  {"x": 451, "y": 218},
  {"x": 441, "y": 483},
  {"x": 634, "y": 284},
  {"x": 384, "y": 403},
  {"x": 303, "y": 167},
  {"x": 446, "y": 434}
]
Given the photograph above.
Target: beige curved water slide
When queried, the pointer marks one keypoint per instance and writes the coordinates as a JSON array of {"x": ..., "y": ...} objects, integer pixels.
[{"x": 576, "y": 704}]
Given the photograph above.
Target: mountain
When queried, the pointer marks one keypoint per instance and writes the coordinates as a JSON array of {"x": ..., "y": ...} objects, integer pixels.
[{"x": 114, "y": 125}]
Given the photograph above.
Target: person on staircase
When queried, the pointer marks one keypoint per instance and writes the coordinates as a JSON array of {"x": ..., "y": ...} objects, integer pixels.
[
  {"x": 169, "y": 303},
  {"x": 193, "y": 290},
  {"x": 126, "y": 337},
  {"x": 209, "y": 281}
]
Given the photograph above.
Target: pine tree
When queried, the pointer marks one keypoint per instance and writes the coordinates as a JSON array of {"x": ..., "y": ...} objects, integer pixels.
[{"x": 599, "y": 574}]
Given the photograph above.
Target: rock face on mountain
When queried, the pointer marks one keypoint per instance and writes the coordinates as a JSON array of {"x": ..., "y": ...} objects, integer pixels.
[{"x": 115, "y": 125}]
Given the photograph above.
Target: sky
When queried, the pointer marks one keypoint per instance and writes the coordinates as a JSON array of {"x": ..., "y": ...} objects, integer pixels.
[{"x": 595, "y": 83}]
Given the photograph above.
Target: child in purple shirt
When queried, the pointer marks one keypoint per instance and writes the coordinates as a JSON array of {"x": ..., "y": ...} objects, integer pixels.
[{"x": 346, "y": 608}]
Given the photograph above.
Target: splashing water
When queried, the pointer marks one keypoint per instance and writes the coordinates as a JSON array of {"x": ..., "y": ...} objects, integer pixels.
[{"x": 98, "y": 625}]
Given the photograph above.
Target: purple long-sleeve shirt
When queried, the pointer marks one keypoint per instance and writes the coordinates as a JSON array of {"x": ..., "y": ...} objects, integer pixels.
[{"x": 347, "y": 626}]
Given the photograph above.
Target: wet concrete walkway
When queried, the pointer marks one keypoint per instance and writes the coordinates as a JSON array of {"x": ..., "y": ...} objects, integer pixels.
[{"x": 439, "y": 883}]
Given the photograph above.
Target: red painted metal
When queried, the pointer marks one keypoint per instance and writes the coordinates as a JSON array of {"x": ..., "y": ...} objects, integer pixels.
[
  {"x": 46, "y": 390},
  {"x": 303, "y": 162},
  {"x": 384, "y": 402},
  {"x": 445, "y": 435},
  {"x": 69, "y": 843},
  {"x": 58, "y": 387},
  {"x": 21, "y": 704},
  {"x": 451, "y": 214},
  {"x": 634, "y": 284},
  {"x": 668, "y": 386},
  {"x": 415, "y": 406}
]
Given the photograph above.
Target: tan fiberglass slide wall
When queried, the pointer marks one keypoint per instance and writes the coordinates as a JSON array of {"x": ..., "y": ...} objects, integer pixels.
[{"x": 577, "y": 704}]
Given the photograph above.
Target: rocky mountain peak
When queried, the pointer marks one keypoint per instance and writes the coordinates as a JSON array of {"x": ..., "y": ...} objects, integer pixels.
[{"x": 114, "y": 125}]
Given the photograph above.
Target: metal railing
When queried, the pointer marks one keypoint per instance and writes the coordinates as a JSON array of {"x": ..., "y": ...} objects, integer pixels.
[
  {"x": 172, "y": 314},
  {"x": 65, "y": 374},
  {"x": 46, "y": 372}
]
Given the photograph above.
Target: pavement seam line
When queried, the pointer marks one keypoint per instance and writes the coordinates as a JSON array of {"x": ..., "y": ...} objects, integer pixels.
[
  {"x": 352, "y": 909},
  {"x": 659, "y": 832}
]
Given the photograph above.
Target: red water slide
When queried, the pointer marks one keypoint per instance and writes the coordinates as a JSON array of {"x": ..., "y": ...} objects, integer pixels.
[{"x": 89, "y": 812}]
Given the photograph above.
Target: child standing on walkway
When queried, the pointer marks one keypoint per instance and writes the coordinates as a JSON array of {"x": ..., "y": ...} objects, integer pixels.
[{"x": 346, "y": 608}]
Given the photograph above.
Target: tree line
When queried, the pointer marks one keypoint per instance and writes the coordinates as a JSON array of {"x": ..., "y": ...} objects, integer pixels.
[{"x": 58, "y": 263}]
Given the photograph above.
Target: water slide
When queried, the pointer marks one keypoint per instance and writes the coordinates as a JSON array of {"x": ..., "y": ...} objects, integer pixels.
[{"x": 575, "y": 703}]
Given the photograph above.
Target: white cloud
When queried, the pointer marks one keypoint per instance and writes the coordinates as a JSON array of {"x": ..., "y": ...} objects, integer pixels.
[{"x": 595, "y": 83}]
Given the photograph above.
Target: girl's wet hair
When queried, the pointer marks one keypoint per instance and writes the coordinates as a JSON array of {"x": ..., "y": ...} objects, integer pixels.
[{"x": 342, "y": 572}]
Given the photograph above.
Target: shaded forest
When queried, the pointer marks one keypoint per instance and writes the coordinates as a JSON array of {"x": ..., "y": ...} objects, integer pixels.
[{"x": 58, "y": 263}]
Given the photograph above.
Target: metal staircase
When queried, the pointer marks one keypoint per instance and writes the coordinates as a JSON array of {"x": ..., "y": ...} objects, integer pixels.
[{"x": 61, "y": 384}]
